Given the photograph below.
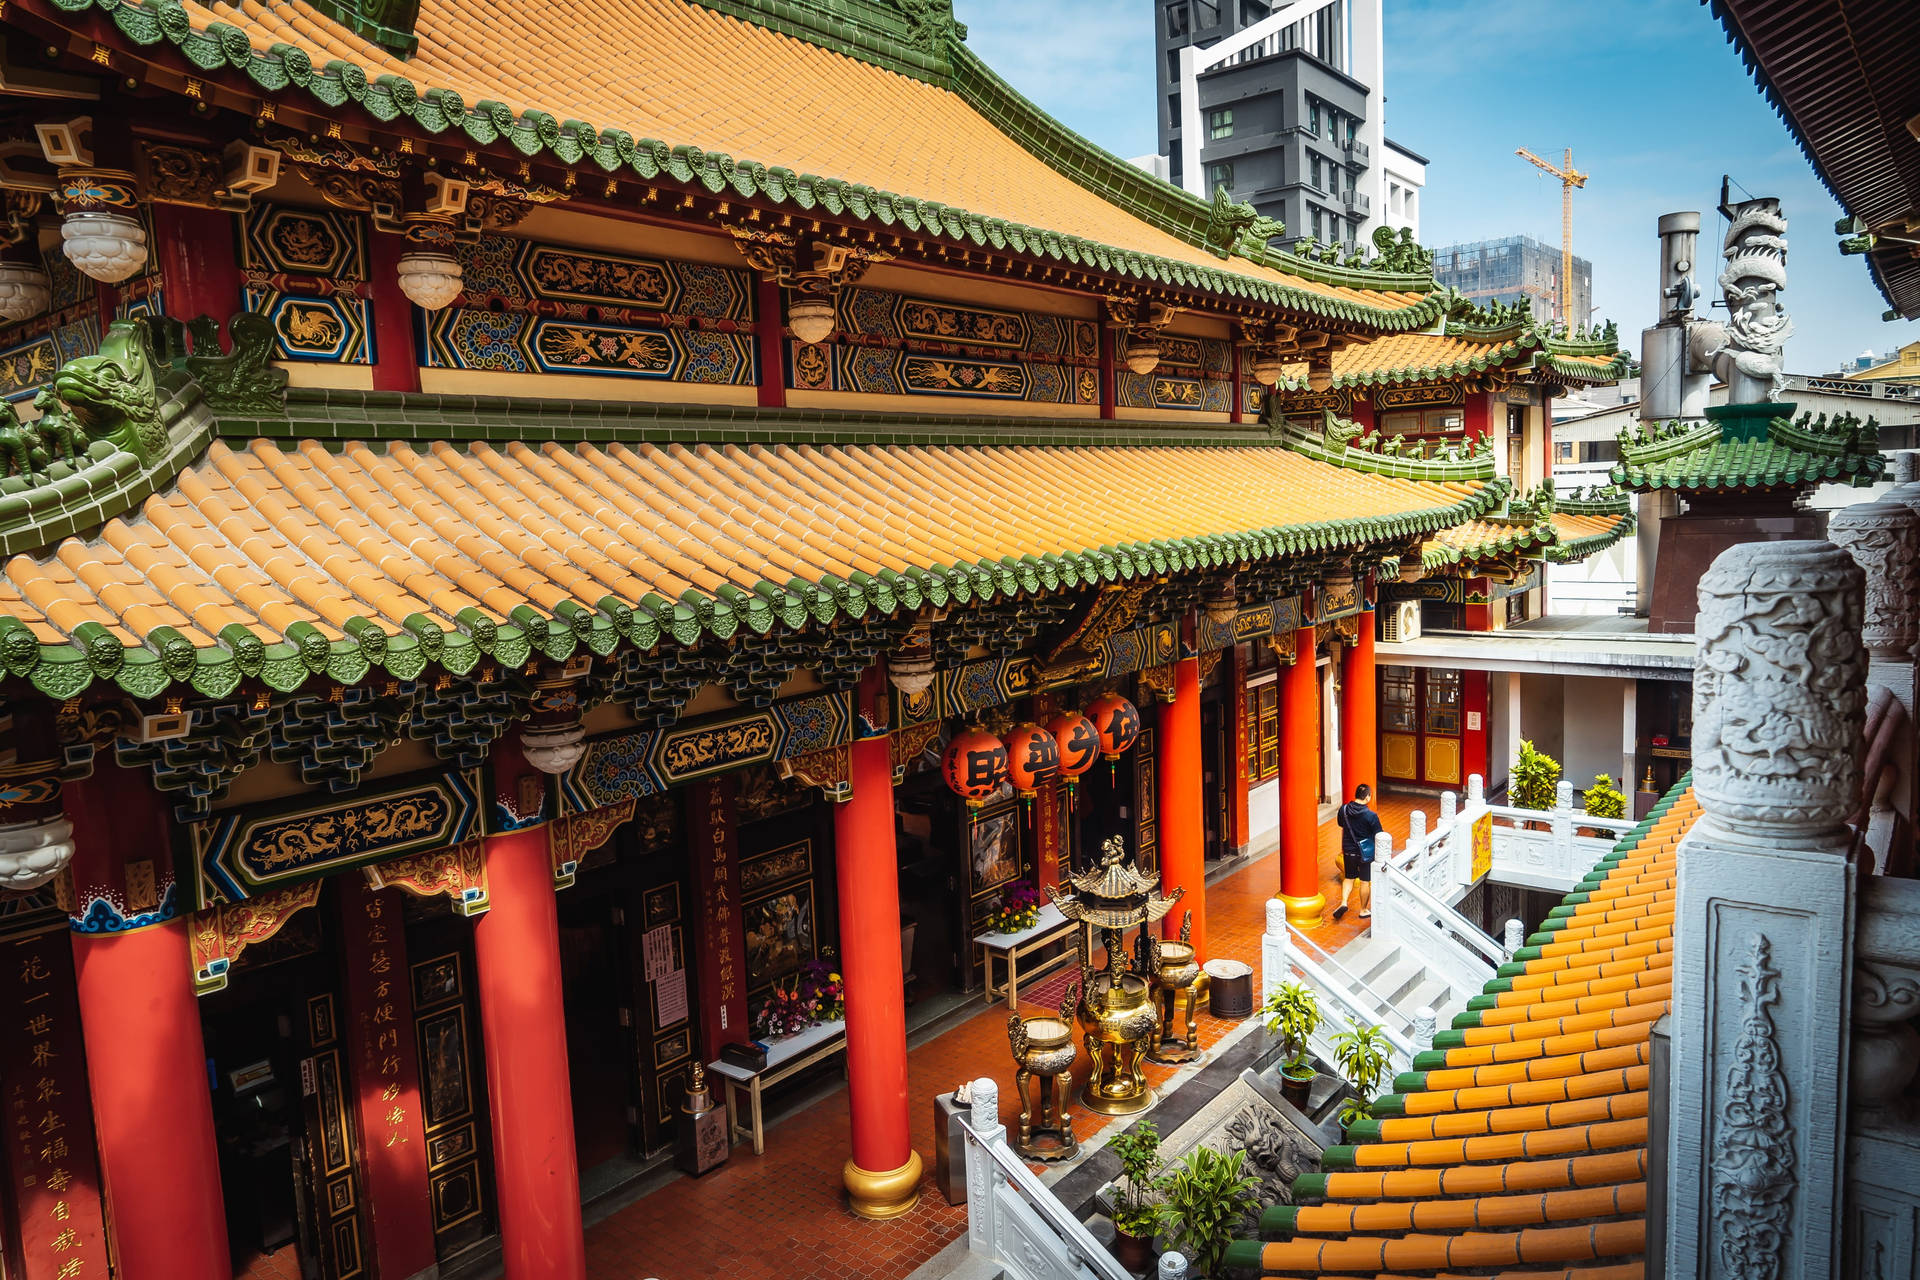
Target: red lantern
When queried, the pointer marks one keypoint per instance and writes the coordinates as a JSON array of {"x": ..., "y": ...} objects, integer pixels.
[
  {"x": 1117, "y": 723},
  {"x": 975, "y": 765},
  {"x": 1033, "y": 757},
  {"x": 1079, "y": 743}
]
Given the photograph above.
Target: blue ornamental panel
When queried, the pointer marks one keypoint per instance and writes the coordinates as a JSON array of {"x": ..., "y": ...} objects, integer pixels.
[
  {"x": 1194, "y": 374},
  {"x": 896, "y": 345},
  {"x": 532, "y": 307}
]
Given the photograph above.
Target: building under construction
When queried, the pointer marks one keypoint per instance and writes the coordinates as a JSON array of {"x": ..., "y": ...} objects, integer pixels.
[{"x": 1513, "y": 268}]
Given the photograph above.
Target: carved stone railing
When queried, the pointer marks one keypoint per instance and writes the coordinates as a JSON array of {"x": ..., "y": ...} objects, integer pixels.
[
  {"x": 1014, "y": 1221},
  {"x": 1532, "y": 848}
]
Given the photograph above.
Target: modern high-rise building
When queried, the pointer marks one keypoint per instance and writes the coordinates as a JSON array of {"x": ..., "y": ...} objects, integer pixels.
[
  {"x": 1512, "y": 268},
  {"x": 1281, "y": 105}
]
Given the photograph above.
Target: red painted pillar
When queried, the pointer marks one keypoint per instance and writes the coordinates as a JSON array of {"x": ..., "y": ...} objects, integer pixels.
[
  {"x": 396, "y": 362},
  {"x": 1183, "y": 833},
  {"x": 198, "y": 262},
  {"x": 146, "y": 1062},
  {"x": 883, "y": 1176},
  {"x": 1109, "y": 388},
  {"x": 1359, "y": 719},
  {"x": 517, "y": 966},
  {"x": 769, "y": 335},
  {"x": 1299, "y": 785}
]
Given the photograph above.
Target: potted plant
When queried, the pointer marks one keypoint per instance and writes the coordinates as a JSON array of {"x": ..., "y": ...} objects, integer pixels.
[
  {"x": 1363, "y": 1055},
  {"x": 1534, "y": 778},
  {"x": 1602, "y": 800},
  {"x": 1204, "y": 1199},
  {"x": 1133, "y": 1208},
  {"x": 1293, "y": 1014}
]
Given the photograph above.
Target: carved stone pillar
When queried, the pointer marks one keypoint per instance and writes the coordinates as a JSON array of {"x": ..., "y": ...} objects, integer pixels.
[
  {"x": 1764, "y": 918},
  {"x": 1884, "y": 540}
]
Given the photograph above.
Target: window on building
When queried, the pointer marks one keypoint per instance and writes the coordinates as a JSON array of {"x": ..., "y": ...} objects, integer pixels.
[
  {"x": 1206, "y": 13},
  {"x": 1353, "y": 128},
  {"x": 1333, "y": 123},
  {"x": 1422, "y": 422},
  {"x": 1313, "y": 116},
  {"x": 1220, "y": 122},
  {"x": 1313, "y": 170},
  {"x": 1219, "y": 174},
  {"x": 1173, "y": 114},
  {"x": 1317, "y": 225},
  {"x": 1353, "y": 230},
  {"x": 1519, "y": 608},
  {"x": 1177, "y": 19},
  {"x": 1397, "y": 700},
  {"x": 1261, "y": 714},
  {"x": 1443, "y": 701}
]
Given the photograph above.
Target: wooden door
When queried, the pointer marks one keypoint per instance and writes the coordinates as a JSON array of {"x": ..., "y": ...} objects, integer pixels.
[{"x": 1421, "y": 725}]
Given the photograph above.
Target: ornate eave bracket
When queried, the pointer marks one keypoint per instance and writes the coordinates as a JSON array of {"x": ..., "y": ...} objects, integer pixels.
[
  {"x": 457, "y": 871},
  {"x": 571, "y": 839},
  {"x": 219, "y": 934}
]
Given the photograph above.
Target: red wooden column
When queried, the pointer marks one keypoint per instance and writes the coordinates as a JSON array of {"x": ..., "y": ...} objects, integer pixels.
[
  {"x": 1299, "y": 785},
  {"x": 516, "y": 948},
  {"x": 770, "y": 337},
  {"x": 1183, "y": 832},
  {"x": 396, "y": 362},
  {"x": 146, "y": 1062},
  {"x": 1359, "y": 713},
  {"x": 883, "y": 1175},
  {"x": 198, "y": 262}
]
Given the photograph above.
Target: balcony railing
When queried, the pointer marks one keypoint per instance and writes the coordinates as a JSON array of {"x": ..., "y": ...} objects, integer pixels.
[{"x": 1357, "y": 153}]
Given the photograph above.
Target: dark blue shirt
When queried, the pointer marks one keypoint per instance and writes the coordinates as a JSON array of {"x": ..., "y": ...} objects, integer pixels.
[{"x": 1357, "y": 823}]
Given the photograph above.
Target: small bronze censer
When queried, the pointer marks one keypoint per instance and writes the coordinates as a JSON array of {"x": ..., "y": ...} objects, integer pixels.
[
  {"x": 1174, "y": 986},
  {"x": 1044, "y": 1050}
]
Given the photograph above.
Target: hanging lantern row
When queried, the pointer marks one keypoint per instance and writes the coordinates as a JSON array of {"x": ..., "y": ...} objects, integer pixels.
[{"x": 976, "y": 763}]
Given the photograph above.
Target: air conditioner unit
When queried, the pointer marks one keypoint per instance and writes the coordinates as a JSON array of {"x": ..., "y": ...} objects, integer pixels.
[{"x": 1401, "y": 622}]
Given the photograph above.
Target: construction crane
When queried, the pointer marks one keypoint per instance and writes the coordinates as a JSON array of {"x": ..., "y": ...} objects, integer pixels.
[{"x": 1570, "y": 178}]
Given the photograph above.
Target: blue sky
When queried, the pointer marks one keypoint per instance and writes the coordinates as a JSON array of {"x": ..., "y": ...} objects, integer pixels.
[{"x": 1648, "y": 93}]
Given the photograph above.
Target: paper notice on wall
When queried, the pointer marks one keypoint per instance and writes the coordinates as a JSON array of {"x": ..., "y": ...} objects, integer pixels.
[
  {"x": 656, "y": 950},
  {"x": 670, "y": 998}
]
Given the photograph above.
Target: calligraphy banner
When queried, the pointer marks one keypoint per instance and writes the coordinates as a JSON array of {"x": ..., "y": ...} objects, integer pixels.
[
  {"x": 721, "y": 934},
  {"x": 50, "y": 1154}
]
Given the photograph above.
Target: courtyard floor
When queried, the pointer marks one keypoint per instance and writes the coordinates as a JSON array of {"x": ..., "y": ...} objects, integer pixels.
[{"x": 782, "y": 1215}]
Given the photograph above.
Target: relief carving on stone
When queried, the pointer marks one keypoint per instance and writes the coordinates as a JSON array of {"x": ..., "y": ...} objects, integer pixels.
[
  {"x": 1779, "y": 693},
  {"x": 1884, "y": 540},
  {"x": 1753, "y": 1154}
]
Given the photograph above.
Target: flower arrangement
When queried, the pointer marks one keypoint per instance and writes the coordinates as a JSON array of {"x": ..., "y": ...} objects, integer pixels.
[
  {"x": 822, "y": 988},
  {"x": 785, "y": 1013},
  {"x": 1019, "y": 909}
]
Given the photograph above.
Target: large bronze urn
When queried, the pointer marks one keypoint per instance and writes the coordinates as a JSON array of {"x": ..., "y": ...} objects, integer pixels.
[
  {"x": 1116, "y": 1013},
  {"x": 1044, "y": 1050},
  {"x": 1176, "y": 1032}
]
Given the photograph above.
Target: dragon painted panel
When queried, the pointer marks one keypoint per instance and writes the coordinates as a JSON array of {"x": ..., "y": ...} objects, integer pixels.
[
  {"x": 240, "y": 854},
  {"x": 1194, "y": 374},
  {"x": 306, "y": 270},
  {"x": 895, "y": 344}
]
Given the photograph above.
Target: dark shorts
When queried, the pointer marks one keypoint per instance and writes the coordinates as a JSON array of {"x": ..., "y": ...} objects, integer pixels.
[{"x": 1355, "y": 867}]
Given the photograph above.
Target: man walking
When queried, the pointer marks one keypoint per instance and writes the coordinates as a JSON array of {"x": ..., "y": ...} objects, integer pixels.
[{"x": 1359, "y": 824}]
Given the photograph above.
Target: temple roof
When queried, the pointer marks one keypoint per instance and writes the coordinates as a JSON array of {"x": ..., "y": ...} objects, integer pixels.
[
  {"x": 950, "y": 152},
  {"x": 1740, "y": 447},
  {"x": 1462, "y": 353},
  {"x": 1520, "y": 1139},
  {"x": 281, "y": 560},
  {"x": 1578, "y": 536}
]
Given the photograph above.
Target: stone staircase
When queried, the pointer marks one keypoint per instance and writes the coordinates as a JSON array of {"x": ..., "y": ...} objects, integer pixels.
[{"x": 1384, "y": 975}]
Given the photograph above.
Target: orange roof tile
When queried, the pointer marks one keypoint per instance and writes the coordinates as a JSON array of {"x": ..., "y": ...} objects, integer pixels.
[
  {"x": 1520, "y": 1139},
  {"x": 677, "y": 71},
  {"x": 406, "y": 552}
]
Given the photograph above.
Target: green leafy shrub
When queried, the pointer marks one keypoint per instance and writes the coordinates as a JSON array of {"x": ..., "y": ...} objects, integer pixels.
[
  {"x": 1534, "y": 777},
  {"x": 1293, "y": 1014},
  {"x": 1134, "y": 1209},
  {"x": 1602, "y": 801},
  {"x": 1363, "y": 1055},
  {"x": 1205, "y": 1197}
]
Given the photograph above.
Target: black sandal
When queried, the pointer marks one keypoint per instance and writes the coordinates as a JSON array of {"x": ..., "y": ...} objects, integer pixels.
[{"x": 1339, "y": 911}]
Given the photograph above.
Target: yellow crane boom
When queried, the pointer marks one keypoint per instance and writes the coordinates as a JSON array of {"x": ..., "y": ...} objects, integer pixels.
[{"x": 1570, "y": 178}]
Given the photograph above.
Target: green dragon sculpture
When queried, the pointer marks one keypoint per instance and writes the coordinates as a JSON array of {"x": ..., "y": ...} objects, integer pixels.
[{"x": 113, "y": 397}]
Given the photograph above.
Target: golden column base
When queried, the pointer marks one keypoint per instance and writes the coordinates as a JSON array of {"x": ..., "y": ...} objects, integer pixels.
[
  {"x": 1305, "y": 912},
  {"x": 883, "y": 1195}
]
